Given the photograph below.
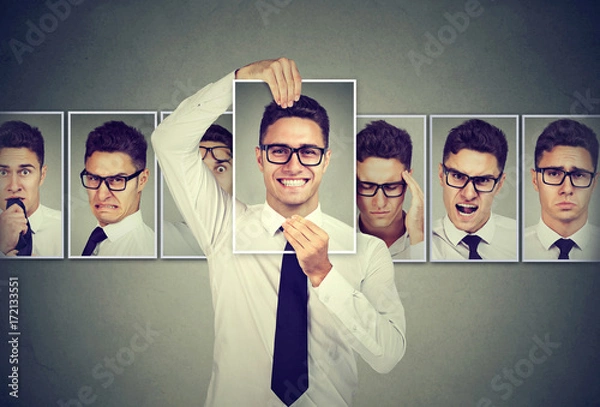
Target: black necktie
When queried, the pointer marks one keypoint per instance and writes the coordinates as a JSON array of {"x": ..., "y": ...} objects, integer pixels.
[
  {"x": 565, "y": 246},
  {"x": 96, "y": 237},
  {"x": 472, "y": 241},
  {"x": 289, "y": 379},
  {"x": 25, "y": 244}
]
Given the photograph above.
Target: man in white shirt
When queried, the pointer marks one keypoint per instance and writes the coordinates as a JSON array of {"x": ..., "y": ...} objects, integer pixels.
[
  {"x": 383, "y": 171},
  {"x": 566, "y": 159},
  {"x": 114, "y": 176},
  {"x": 216, "y": 149},
  {"x": 27, "y": 228},
  {"x": 352, "y": 305},
  {"x": 471, "y": 175}
]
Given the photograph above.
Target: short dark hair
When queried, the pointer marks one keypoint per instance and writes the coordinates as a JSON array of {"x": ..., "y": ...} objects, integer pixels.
[
  {"x": 116, "y": 136},
  {"x": 17, "y": 134},
  {"x": 305, "y": 108},
  {"x": 218, "y": 134},
  {"x": 567, "y": 132},
  {"x": 381, "y": 139},
  {"x": 477, "y": 135}
]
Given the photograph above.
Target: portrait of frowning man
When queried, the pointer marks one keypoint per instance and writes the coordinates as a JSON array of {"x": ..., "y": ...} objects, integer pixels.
[
  {"x": 384, "y": 178},
  {"x": 564, "y": 177},
  {"x": 279, "y": 316},
  {"x": 114, "y": 177},
  {"x": 472, "y": 175},
  {"x": 27, "y": 227}
]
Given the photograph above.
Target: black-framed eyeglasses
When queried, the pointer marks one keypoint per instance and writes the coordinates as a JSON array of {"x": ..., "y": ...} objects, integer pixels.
[
  {"x": 556, "y": 176},
  {"x": 390, "y": 189},
  {"x": 459, "y": 180},
  {"x": 309, "y": 156},
  {"x": 220, "y": 153},
  {"x": 114, "y": 183}
]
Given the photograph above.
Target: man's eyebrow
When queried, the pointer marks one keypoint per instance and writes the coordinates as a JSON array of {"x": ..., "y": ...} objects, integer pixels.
[
  {"x": 472, "y": 176},
  {"x": 121, "y": 174},
  {"x": 20, "y": 166},
  {"x": 573, "y": 168}
]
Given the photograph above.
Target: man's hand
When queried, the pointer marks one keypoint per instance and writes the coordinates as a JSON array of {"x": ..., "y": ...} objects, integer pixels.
[
  {"x": 281, "y": 75},
  {"x": 414, "y": 218},
  {"x": 310, "y": 243},
  {"x": 12, "y": 223}
]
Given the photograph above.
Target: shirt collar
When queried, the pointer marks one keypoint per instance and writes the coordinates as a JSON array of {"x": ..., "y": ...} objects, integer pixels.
[
  {"x": 36, "y": 219},
  {"x": 115, "y": 230},
  {"x": 455, "y": 235},
  {"x": 272, "y": 221},
  {"x": 548, "y": 236}
]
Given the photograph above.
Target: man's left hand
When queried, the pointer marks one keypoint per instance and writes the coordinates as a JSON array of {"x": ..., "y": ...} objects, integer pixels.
[
  {"x": 414, "y": 221},
  {"x": 310, "y": 243}
]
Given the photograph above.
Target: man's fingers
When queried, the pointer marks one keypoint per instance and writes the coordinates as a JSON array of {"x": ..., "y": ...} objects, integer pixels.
[{"x": 281, "y": 75}]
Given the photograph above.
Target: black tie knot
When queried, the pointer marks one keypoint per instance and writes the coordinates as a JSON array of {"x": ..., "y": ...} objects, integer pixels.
[
  {"x": 97, "y": 236},
  {"x": 472, "y": 241},
  {"x": 565, "y": 246}
]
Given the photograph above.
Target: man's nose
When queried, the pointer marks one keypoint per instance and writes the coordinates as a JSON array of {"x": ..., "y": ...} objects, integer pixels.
[
  {"x": 14, "y": 183},
  {"x": 468, "y": 191},
  {"x": 566, "y": 188},
  {"x": 380, "y": 198},
  {"x": 294, "y": 164},
  {"x": 103, "y": 192}
]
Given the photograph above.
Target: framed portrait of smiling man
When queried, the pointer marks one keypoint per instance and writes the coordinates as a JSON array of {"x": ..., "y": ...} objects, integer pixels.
[
  {"x": 112, "y": 185},
  {"x": 560, "y": 173},
  {"x": 294, "y": 161},
  {"x": 31, "y": 194},
  {"x": 474, "y": 194}
]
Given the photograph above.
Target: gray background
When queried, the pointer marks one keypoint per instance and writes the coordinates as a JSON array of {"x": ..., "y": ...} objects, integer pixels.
[
  {"x": 465, "y": 323},
  {"x": 532, "y": 128},
  {"x": 81, "y": 219},
  {"x": 336, "y": 193},
  {"x": 505, "y": 202}
]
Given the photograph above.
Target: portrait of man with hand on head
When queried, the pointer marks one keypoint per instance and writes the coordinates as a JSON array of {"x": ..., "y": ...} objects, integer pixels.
[
  {"x": 472, "y": 175},
  {"x": 564, "y": 178},
  {"x": 114, "y": 177},
  {"x": 287, "y": 326},
  {"x": 384, "y": 177},
  {"x": 27, "y": 228}
]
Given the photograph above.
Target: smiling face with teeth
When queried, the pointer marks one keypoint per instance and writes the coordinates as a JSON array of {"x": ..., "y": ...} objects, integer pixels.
[
  {"x": 292, "y": 188},
  {"x": 113, "y": 206},
  {"x": 468, "y": 209}
]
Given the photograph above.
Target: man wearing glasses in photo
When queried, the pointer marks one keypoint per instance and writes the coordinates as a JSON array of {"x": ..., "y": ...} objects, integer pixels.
[
  {"x": 115, "y": 175},
  {"x": 471, "y": 175},
  {"x": 566, "y": 158},
  {"x": 27, "y": 228},
  {"x": 384, "y": 174},
  {"x": 216, "y": 151},
  {"x": 287, "y": 327}
]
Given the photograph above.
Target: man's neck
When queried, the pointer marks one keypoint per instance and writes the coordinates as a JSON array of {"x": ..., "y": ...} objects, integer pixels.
[
  {"x": 565, "y": 229},
  {"x": 389, "y": 234}
]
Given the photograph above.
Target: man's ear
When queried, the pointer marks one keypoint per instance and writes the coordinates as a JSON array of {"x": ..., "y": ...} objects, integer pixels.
[
  {"x": 534, "y": 180},
  {"x": 43, "y": 174},
  {"x": 326, "y": 158},
  {"x": 143, "y": 179},
  {"x": 440, "y": 174},
  {"x": 259, "y": 159},
  {"x": 500, "y": 183}
]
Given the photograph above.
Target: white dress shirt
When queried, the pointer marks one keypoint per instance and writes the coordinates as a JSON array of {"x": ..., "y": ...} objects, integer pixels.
[
  {"x": 356, "y": 309},
  {"x": 538, "y": 243},
  {"x": 402, "y": 250},
  {"x": 46, "y": 225},
  {"x": 130, "y": 237},
  {"x": 498, "y": 240}
]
